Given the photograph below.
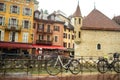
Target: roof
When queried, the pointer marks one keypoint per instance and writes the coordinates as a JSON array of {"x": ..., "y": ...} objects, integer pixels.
[
  {"x": 69, "y": 26},
  {"x": 117, "y": 19},
  {"x": 77, "y": 13},
  {"x": 98, "y": 21}
]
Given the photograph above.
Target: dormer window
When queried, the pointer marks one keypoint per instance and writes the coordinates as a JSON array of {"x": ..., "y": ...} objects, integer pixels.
[
  {"x": 52, "y": 17},
  {"x": 36, "y": 15}
]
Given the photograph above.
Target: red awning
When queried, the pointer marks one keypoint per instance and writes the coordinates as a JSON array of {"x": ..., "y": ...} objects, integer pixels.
[
  {"x": 49, "y": 47},
  {"x": 15, "y": 45}
]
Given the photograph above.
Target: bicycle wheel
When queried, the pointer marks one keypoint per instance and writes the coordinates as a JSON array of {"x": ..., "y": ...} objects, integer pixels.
[
  {"x": 75, "y": 67},
  {"x": 53, "y": 67},
  {"x": 117, "y": 66},
  {"x": 102, "y": 66}
]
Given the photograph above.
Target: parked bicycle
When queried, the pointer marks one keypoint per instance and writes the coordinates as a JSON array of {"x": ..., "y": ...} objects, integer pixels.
[
  {"x": 104, "y": 65},
  {"x": 54, "y": 65}
]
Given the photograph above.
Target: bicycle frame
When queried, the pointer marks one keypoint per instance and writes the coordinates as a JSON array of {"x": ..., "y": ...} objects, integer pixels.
[{"x": 61, "y": 63}]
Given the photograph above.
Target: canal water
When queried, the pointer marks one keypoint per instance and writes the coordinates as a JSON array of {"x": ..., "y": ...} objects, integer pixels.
[{"x": 106, "y": 76}]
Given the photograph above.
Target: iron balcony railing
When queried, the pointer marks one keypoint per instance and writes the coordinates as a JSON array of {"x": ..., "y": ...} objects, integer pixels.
[
  {"x": 44, "y": 42},
  {"x": 44, "y": 31},
  {"x": 13, "y": 27}
]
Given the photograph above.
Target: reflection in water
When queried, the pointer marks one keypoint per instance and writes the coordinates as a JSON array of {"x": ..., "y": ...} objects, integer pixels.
[{"x": 108, "y": 76}]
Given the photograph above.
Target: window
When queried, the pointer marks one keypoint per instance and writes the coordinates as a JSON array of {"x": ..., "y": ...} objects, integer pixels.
[
  {"x": 48, "y": 37},
  {"x": 14, "y": 9},
  {"x": 72, "y": 37},
  {"x": 26, "y": 24},
  {"x": 41, "y": 27},
  {"x": 73, "y": 45},
  {"x": 48, "y": 28},
  {"x": 2, "y": 20},
  {"x": 79, "y": 21},
  {"x": 37, "y": 15},
  {"x": 2, "y": 7},
  {"x": 56, "y": 38},
  {"x": 75, "y": 21},
  {"x": 65, "y": 44},
  {"x": 28, "y": 1},
  {"x": 27, "y": 11},
  {"x": 41, "y": 37},
  {"x": 68, "y": 36},
  {"x": 25, "y": 37},
  {"x": 98, "y": 46},
  {"x": 64, "y": 35},
  {"x": 13, "y": 36},
  {"x": 56, "y": 28},
  {"x": 13, "y": 22},
  {"x": 68, "y": 45}
]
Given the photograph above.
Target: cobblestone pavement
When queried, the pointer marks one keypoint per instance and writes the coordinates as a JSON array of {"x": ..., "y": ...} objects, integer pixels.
[{"x": 84, "y": 76}]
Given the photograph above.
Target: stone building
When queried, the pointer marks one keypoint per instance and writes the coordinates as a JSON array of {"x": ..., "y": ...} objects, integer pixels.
[{"x": 95, "y": 34}]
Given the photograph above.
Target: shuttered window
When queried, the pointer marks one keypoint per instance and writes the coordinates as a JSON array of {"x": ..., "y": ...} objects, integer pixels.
[
  {"x": 2, "y": 7},
  {"x": 27, "y": 11},
  {"x": 2, "y": 20},
  {"x": 25, "y": 37}
]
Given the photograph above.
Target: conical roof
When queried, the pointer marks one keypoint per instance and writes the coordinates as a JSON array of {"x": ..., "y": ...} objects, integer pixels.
[
  {"x": 77, "y": 13},
  {"x": 98, "y": 21}
]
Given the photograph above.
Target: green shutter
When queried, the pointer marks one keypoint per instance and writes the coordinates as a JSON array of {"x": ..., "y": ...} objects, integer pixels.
[
  {"x": 9, "y": 22},
  {"x": 30, "y": 12},
  {"x": 29, "y": 24},
  {"x": 23, "y": 11},
  {"x": 4, "y": 7},
  {"x": 11, "y": 9},
  {"x": 23, "y": 23},
  {"x": 3, "y": 21},
  {"x": 18, "y": 10}
]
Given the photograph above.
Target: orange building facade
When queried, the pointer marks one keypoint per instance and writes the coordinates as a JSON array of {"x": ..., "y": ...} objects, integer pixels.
[{"x": 48, "y": 31}]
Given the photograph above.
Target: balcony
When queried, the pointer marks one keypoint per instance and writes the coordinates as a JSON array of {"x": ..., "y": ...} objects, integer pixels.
[
  {"x": 10, "y": 27},
  {"x": 44, "y": 42},
  {"x": 44, "y": 31}
]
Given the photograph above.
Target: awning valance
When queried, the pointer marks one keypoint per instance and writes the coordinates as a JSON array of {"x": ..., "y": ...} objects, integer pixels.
[
  {"x": 49, "y": 47},
  {"x": 15, "y": 45}
]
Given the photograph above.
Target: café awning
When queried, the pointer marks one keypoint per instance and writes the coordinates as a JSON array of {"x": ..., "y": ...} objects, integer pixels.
[
  {"x": 49, "y": 47},
  {"x": 15, "y": 45}
]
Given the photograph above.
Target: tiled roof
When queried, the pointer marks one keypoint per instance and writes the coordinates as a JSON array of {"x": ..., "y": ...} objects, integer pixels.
[
  {"x": 117, "y": 19},
  {"x": 98, "y": 21},
  {"x": 77, "y": 12}
]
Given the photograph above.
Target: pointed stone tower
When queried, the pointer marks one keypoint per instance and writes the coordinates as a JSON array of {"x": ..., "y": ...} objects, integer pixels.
[{"x": 77, "y": 23}]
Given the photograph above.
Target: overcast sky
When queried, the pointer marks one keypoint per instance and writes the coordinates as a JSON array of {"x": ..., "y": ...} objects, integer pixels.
[{"x": 110, "y": 8}]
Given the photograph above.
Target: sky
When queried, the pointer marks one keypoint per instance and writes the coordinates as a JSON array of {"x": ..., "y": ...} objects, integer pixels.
[{"x": 110, "y": 8}]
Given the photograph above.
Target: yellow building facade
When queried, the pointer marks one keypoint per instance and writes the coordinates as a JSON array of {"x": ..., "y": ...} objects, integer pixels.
[
  {"x": 17, "y": 16},
  {"x": 16, "y": 24}
]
